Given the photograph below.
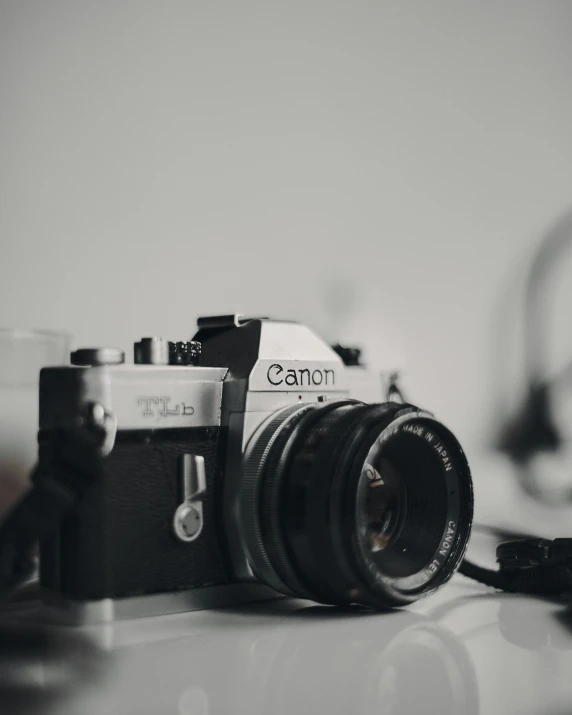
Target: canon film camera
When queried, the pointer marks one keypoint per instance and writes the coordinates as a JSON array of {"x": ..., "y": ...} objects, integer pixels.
[{"x": 247, "y": 463}]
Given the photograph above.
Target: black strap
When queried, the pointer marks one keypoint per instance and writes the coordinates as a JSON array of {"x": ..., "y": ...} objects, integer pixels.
[
  {"x": 530, "y": 566},
  {"x": 74, "y": 462}
]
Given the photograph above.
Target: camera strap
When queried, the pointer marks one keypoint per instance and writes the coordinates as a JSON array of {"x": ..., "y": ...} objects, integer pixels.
[
  {"x": 75, "y": 461},
  {"x": 530, "y": 566}
]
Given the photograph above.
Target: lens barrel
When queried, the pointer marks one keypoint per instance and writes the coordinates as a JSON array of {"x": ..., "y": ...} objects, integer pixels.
[{"x": 345, "y": 502}]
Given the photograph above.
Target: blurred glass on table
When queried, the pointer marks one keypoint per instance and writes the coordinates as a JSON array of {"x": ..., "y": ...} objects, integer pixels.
[{"x": 23, "y": 353}]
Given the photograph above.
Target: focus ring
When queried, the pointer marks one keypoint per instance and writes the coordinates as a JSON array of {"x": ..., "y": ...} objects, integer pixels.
[
  {"x": 277, "y": 468},
  {"x": 307, "y": 504},
  {"x": 250, "y": 497}
]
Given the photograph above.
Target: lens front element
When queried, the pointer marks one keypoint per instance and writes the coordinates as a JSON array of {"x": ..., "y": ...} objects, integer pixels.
[
  {"x": 383, "y": 506},
  {"x": 408, "y": 478}
]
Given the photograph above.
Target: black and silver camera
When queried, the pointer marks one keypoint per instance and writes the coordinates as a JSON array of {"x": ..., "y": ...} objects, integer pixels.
[{"x": 245, "y": 464}]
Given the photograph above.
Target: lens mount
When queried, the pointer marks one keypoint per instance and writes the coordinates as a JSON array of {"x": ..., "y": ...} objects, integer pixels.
[{"x": 345, "y": 502}]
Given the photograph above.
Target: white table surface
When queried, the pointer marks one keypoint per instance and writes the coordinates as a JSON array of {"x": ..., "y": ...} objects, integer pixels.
[{"x": 467, "y": 649}]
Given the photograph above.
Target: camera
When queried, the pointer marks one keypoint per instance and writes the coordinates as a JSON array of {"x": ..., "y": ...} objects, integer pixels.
[{"x": 252, "y": 461}]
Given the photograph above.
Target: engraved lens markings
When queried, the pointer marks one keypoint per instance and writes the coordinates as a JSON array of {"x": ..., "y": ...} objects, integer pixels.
[
  {"x": 421, "y": 431},
  {"x": 444, "y": 547}
]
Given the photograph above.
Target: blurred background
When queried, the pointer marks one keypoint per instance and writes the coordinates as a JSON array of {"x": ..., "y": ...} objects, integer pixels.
[{"x": 383, "y": 171}]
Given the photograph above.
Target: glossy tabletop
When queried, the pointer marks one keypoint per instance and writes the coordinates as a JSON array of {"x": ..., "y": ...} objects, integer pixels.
[{"x": 467, "y": 649}]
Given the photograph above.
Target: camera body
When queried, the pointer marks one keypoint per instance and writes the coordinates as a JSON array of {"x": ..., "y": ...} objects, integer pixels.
[{"x": 167, "y": 518}]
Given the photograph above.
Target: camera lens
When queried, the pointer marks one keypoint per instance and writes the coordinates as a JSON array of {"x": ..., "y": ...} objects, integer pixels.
[{"x": 351, "y": 503}]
